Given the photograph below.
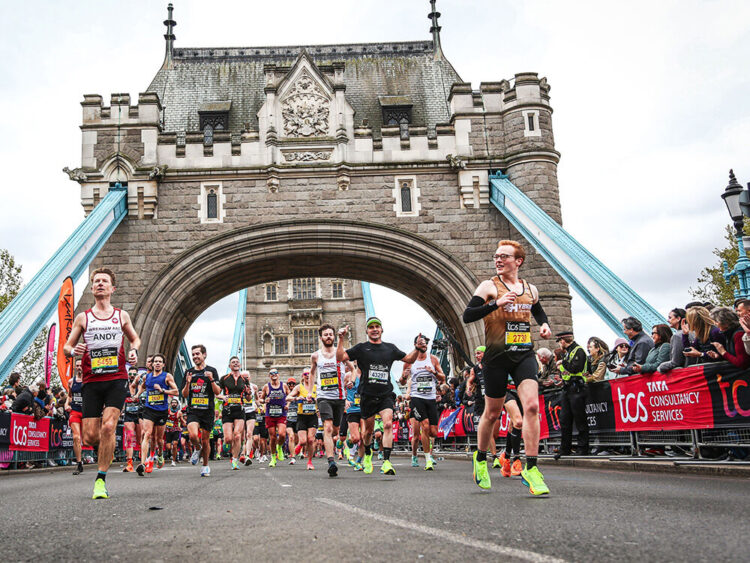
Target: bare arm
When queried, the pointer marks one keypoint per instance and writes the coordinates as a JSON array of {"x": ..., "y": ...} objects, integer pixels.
[
  {"x": 186, "y": 386},
  {"x": 314, "y": 365},
  {"x": 72, "y": 347},
  {"x": 132, "y": 336},
  {"x": 404, "y": 374},
  {"x": 172, "y": 386},
  {"x": 439, "y": 375},
  {"x": 341, "y": 355}
]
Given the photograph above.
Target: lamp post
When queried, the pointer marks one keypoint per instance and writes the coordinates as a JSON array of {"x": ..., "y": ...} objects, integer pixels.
[{"x": 737, "y": 200}]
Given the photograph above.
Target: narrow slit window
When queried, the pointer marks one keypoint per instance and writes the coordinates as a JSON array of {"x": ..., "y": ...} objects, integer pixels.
[
  {"x": 531, "y": 122},
  {"x": 405, "y": 197},
  {"x": 212, "y": 205},
  {"x": 208, "y": 135}
]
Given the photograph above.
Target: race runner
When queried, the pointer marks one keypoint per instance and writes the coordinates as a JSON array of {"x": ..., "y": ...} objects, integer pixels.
[
  {"x": 274, "y": 396},
  {"x": 424, "y": 376},
  {"x": 260, "y": 434},
  {"x": 157, "y": 385},
  {"x": 511, "y": 466},
  {"x": 329, "y": 383},
  {"x": 507, "y": 303},
  {"x": 303, "y": 397},
  {"x": 354, "y": 421},
  {"x": 175, "y": 422},
  {"x": 233, "y": 388},
  {"x": 374, "y": 359},
  {"x": 105, "y": 380},
  {"x": 291, "y": 424},
  {"x": 250, "y": 406},
  {"x": 199, "y": 389},
  {"x": 74, "y": 405},
  {"x": 131, "y": 430}
]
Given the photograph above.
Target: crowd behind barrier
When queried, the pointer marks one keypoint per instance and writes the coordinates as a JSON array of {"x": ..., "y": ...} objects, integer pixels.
[{"x": 685, "y": 389}]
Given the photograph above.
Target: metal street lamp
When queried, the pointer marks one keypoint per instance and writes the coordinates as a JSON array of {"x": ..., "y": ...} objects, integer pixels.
[{"x": 737, "y": 200}]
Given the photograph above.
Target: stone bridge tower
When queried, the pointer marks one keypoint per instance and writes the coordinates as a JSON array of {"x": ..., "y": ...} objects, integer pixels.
[{"x": 362, "y": 161}]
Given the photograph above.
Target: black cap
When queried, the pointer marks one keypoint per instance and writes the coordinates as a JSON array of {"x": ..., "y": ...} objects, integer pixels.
[{"x": 563, "y": 334}]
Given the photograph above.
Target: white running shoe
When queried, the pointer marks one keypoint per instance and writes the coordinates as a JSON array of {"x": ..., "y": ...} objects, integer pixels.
[
  {"x": 195, "y": 456},
  {"x": 174, "y": 464},
  {"x": 263, "y": 458},
  {"x": 205, "y": 471},
  {"x": 292, "y": 461}
]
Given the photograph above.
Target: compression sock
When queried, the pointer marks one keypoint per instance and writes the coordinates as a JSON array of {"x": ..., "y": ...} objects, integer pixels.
[
  {"x": 368, "y": 449},
  {"x": 508, "y": 444},
  {"x": 101, "y": 475},
  {"x": 349, "y": 444},
  {"x": 515, "y": 439},
  {"x": 481, "y": 455},
  {"x": 530, "y": 462},
  {"x": 387, "y": 453}
]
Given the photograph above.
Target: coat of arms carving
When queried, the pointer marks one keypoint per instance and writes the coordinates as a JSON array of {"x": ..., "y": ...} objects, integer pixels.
[{"x": 305, "y": 109}]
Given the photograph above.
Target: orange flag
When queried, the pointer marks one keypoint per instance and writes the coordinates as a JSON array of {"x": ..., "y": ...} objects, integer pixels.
[{"x": 65, "y": 317}]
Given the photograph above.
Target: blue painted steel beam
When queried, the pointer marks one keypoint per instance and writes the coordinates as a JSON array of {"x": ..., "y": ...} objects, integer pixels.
[
  {"x": 184, "y": 362},
  {"x": 25, "y": 316},
  {"x": 238, "y": 340},
  {"x": 610, "y": 297}
]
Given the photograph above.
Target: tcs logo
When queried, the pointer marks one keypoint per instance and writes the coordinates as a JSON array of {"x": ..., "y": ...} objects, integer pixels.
[
  {"x": 631, "y": 406},
  {"x": 19, "y": 435}
]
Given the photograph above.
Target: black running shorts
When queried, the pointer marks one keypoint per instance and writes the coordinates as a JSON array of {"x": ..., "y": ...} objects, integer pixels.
[
  {"x": 353, "y": 417},
  {"x": 306, "y": 421},
  {"x": 98, "y": 395},
  {"x": 230, "y": 415},
  {"x": 159, "y": 418},
  {"x": 205, "y": 419},
  {"x": 496, "y": 373},
  {"x": 370, "y": 406},
  {"x": 424, "y": 409},
  {"x": 331, "y": 409}
]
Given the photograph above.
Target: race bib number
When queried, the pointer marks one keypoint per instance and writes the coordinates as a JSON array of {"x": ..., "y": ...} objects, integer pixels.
[
  {"x": 199, "y": 401},
  {"x": 424, "y": 384},
  {"x": 104, "y": 360},
  {"x": 156, "y": 398},
  {"x": 517, "y": 335},
  {"x": 249, "y": 409},
  {"x": 234, "y": 401},
  {"x": 275, "y": 410},
  {"x": 259, "y": 417},
  {"x": 329, "y": 383},
  {"x": 378, "y": 376},
  {"x": 170, "y": 424},
  {"x": 356, "y": 401},
  {"x": 308, "y": 408}
]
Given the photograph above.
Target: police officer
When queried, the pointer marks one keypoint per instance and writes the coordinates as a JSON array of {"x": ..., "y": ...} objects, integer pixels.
[{"x": 572, "y": 369}]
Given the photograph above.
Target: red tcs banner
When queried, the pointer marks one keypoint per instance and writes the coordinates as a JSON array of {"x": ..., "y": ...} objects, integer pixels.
[
  {"x": 28, "y": 434},
  {"x": 676, "y": 400}
]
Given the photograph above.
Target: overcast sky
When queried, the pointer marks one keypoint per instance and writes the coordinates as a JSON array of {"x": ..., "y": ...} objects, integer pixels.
[{"x": 650, "y": 112}]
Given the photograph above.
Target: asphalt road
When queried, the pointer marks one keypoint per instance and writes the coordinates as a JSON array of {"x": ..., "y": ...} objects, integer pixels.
[{"x": 288, "y": 513}]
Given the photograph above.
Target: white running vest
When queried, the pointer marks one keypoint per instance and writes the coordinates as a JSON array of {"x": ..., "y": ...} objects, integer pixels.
[
  {"x": 330, "y": 377},
  {"x": 422, "y": 380},
  {"x": 104, "y": 358}
]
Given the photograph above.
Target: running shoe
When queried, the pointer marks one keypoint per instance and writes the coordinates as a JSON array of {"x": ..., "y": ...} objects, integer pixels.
[
  {"x": 505, "y": 470},
  {"x": 310, "y": 465},
  {"x": 272, "y": 463},
  {"x": 160, "y": 462},
  {"x": 292, "y": 461},
  {"x": 333, "y": 469},
  {"x": 481, "y": 475},
  {"x": 341, "y": 456},
  {"x": 149, "y": 466},
  {"x": 248, "y": 461},
  {"x": 387, "y": 468},
  {"x": 218, "y": 456},
  {"x": 516, "y": 468},
  {"x": 242, "y": 459},
  {"x": 414, "y": 461},
  {"x": 263, "y": 458},
  {"x": 351, "y": 460},
  {"x": 174, "y": 464},
  {"x": 280, "y": 453},
  {"x": 235, "y": 466},
  {"x": 347, "y": 454},
  {"x": 100, "y": 489},
  {"x": 428, "y": 466},
  {"x": 127, "y": 469},
  {"x": 358, "y": 466},
  {"x": 380, "y": 456},
  {"x": 205, "y": 471},
  {"x": 140, "y": 469},
  {"x": 534, "y": 480},
  {"x": 497, "y": 462},
  {"x": 79, "y": 468},
  {"x": 367, "y": 464},
  {"x": 195, "y": 456}
]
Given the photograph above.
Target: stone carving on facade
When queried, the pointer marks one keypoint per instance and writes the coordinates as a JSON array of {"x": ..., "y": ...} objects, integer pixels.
[
  {"x": 456, "y": 162},
  {"x": 273, "y": 184},
  {"x": 307, "y": 156},
  {"x": 343, "y": 182},
  {"x": 76, "y": 174},
  {"x": 158, "y": 172},
  {"x": 305, "y": 109}
]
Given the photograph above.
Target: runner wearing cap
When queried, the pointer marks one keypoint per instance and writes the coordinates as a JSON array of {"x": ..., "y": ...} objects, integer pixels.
[
  {"x": 507, "y": 303},
  {"x": 329, "y": 374},
  {"x": 233, "y": 388},
  {"x": 274, "y": 395},
  {"x": 374, "y": 359}
]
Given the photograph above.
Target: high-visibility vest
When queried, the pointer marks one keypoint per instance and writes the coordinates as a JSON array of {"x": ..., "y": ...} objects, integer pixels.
[{"x": 565, "y": 375}]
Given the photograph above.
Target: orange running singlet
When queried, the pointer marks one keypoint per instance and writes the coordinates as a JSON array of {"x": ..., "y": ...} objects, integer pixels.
[{"x": 507, "y": 330}]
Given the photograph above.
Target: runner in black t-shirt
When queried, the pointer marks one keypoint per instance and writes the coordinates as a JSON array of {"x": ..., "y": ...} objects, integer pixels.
[
  {"x": 199, "y": 390},
  {"x": 375, "y": 358}
]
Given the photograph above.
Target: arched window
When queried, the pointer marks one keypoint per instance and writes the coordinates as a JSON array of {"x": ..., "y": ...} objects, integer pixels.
[
  {"x": 212, "y": 204},
  {"x": 267, "y": 345}
]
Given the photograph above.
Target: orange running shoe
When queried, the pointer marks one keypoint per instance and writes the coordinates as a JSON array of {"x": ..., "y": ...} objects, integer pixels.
[
  {"x": 149, "y": 466},
  {"x": 516, "y": 469},
  {"x": 505, "y": 469},
  {"x": 129, "y": 467}
]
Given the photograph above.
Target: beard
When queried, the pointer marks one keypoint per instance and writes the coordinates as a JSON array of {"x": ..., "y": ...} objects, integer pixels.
[{"x": 327, "y": 342}]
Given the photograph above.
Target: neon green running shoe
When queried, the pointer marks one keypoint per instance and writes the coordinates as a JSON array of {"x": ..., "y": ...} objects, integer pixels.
[
  {"x": 367, "y": 464},
  {"x": 100, "y": 489},
  {"x": 272, "y": 463},
  {"x": 497, "y": 463},
  {"x": 481, "y": 475},
  {"x": 280, "y": 453},
  {"x": 429, "y": 466},
  {"x": 534, "y": 480},
  {"x": 346, "y": 451},
  {"x": 387, "y": 468}
]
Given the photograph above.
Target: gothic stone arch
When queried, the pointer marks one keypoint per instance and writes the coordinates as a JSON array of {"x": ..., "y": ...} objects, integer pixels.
[{"x": 236, "y": 259}]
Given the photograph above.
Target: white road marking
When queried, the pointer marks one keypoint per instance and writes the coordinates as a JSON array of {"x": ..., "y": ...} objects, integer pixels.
[
  {"x": 275, "y": 480},
  {"x": 446, "y": 535}
]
